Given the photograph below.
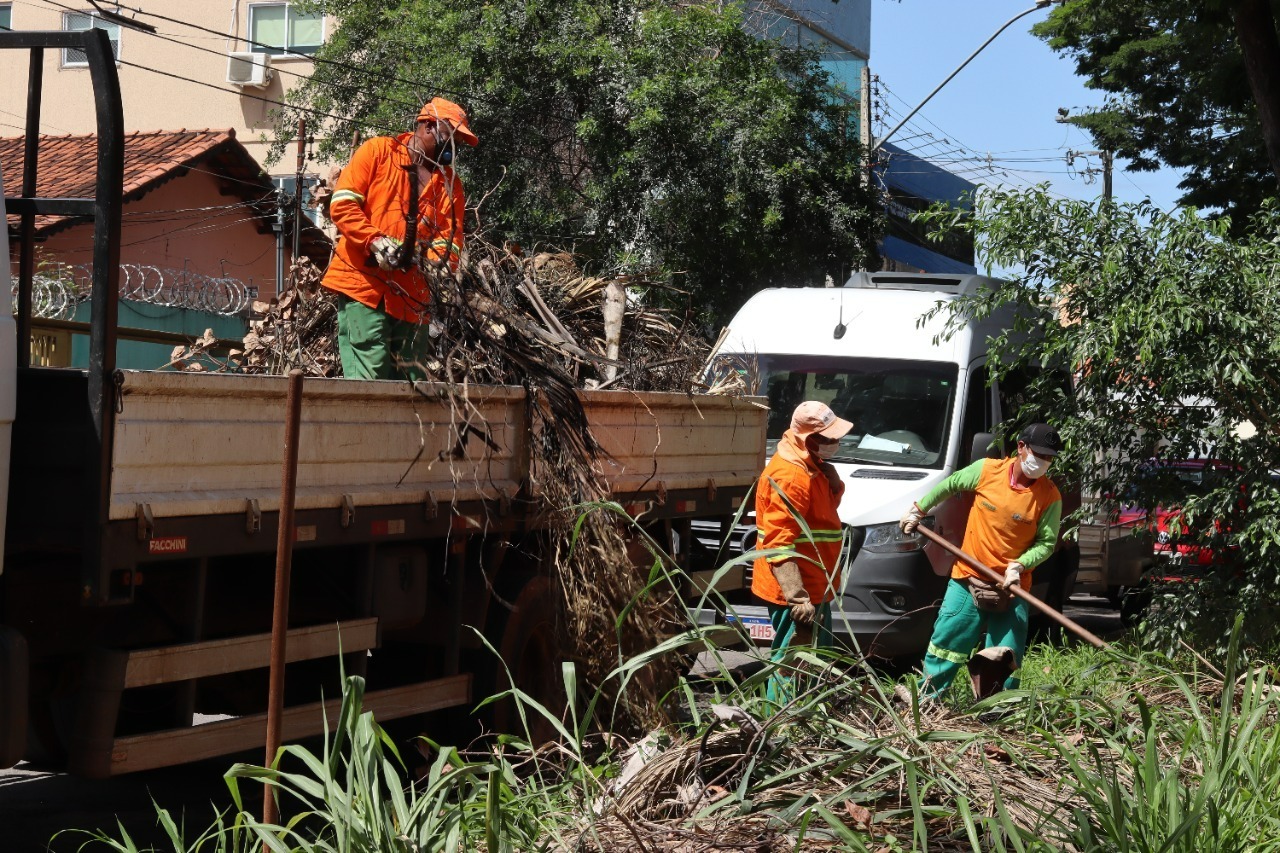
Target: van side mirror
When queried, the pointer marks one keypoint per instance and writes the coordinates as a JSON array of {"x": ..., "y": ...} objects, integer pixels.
[{"x": 984, "y": 447}]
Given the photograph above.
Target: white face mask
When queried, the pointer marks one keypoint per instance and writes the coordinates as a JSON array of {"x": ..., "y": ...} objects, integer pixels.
[
  {"x": 826, "y": 451},
  {"x": 1031, "y": 466}
]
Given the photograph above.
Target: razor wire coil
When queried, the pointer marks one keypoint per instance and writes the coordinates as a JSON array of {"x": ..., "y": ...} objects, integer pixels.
[{"x": 56, "y": 294}]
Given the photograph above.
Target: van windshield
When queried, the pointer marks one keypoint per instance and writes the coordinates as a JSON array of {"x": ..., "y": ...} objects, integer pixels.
[{"x": 901, "y": 410}]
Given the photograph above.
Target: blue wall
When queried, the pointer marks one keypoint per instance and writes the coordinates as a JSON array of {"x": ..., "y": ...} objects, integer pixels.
[{"x": 135, "y": 355}]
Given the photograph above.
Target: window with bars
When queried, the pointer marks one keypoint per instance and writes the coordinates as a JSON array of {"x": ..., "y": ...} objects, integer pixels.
[
  {"x": 280, "y": 29},
  {"x": 77, "y": 21}
]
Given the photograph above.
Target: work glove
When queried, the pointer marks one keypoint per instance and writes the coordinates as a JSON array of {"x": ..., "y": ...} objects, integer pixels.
[
  {"x": 788, "y": 577},
  {"x": 1012, "y": 574},
  {"x": 385, "y": 251},
  {"x": 911, "y": 519}
]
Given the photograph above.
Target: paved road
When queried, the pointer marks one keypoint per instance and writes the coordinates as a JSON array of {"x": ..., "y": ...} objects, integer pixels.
[{"x": 36, "y": 803}]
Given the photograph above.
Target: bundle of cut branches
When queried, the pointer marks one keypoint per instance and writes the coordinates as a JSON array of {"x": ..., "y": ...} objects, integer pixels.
[{"x": 297, "y": 329}]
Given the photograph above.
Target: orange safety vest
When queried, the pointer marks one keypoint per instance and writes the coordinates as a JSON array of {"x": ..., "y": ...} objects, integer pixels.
[
  {"x": 370, "y": 201},
  {"x": 805, "y": 491},
  {"x": 1003, "y": 521}
]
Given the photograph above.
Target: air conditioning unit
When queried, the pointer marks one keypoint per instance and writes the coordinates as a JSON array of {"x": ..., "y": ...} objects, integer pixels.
[{"x": 248, "y": 70}]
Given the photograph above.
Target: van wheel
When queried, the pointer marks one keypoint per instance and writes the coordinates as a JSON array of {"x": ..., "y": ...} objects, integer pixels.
[{"x": 531, "y": 648}]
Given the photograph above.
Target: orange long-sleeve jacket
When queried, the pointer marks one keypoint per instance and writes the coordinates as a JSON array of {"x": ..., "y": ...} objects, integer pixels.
[
  {"x": 793, "y": 485},
  {"x": 370, "y": 201}
]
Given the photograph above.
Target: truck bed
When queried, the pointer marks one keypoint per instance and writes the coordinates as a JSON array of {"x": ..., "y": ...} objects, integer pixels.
[{"x": 192, "y": 444}]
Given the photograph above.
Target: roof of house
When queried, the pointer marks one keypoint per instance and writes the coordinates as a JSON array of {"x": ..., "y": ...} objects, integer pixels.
[{"x": 67, "y": 166}]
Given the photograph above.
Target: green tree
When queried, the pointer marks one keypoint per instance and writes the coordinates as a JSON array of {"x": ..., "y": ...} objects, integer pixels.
[
  {"x": 1194, "y": 84},
  {"x": 1171, "y": 330},
  {"x": 652, "y": 137}
]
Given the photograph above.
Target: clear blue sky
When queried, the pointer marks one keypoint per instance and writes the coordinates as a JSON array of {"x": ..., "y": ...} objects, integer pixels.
[{"x": 1003, "y": 103}]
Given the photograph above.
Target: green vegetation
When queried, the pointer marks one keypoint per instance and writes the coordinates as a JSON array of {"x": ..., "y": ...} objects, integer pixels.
[
  {"x": 1187, "y": 85},
  {"x": 1101, "y": 751},
  {"x": 656, "y": 138},
  {"x": 1168, "y": 328}
]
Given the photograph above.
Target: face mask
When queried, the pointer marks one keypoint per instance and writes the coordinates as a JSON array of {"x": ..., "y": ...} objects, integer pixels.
[
  {"x": 826, "y": 451},
  {"x": 1031, "y": 466},
  {"x": 444, "y": 150}
]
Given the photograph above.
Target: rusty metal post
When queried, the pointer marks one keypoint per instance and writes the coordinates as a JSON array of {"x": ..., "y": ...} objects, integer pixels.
[
  {"x": 991, "y": 575},
  {"x": 284, "y": 564}
]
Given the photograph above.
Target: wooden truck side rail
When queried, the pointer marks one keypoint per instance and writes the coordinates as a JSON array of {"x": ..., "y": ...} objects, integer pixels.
[{"x": 383, "y": 467}]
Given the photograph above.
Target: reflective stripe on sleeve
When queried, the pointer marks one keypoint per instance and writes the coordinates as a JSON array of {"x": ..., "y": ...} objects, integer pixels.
[{"x": 346, "y": 195}]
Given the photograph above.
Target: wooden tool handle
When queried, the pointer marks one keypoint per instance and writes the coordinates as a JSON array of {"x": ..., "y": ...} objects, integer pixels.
[{"x": 995, "y": 577}]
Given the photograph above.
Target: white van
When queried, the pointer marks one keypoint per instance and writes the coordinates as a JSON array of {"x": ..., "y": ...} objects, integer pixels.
[{"x": 921, "y": 408}]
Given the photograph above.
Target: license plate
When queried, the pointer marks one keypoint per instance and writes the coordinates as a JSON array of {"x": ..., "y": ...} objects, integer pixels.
[{"x": 755, "y": 620}]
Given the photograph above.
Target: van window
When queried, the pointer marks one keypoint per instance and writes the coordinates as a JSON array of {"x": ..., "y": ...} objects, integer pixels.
[
  {"x": 977, "y": 410},
  {"x": 901, "y": 410}
]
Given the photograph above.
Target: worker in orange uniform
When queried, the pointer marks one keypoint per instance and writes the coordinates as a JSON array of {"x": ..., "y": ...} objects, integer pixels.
[
  {"x": 800, "y": 581},
  {"x": 1013, "y": 527},
  {"x": 383, "y": 298}
]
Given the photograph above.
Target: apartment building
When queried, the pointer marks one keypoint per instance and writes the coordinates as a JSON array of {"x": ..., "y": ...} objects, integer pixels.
[{"x": 217, "y": 66}]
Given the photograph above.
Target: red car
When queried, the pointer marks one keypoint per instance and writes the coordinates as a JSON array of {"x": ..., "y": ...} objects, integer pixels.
[{"x": 1179, "y": 552}]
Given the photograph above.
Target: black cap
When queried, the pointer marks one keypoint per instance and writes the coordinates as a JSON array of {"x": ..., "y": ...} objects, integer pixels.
[{"x": 1042, "y": 439}]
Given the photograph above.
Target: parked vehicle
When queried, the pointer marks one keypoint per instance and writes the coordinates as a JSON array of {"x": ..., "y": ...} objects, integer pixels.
[
  {"x": 1174, "y": 552},
  {"x": 143, "y": 509},
  {"x": 921, "y": 407}
]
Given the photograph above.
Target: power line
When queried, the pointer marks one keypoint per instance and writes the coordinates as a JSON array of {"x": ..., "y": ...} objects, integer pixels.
[{"x": 377, "y": 76}]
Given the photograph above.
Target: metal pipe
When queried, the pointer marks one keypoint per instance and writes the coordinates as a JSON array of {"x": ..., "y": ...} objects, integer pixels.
[
  {"x": 1040, "y": 4},
  {"x": 27, "y": 228},
  {"x": 993, "y": 576},
  {"x": 284, "y": 565}
]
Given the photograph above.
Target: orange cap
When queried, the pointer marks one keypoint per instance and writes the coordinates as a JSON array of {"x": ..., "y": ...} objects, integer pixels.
[
  {"x": 814, "y": 417},
  {"x": 438, "y": 109}
]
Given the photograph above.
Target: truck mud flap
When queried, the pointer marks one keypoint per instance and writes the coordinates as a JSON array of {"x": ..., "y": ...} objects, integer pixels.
[{"x": 13, "y": 697}]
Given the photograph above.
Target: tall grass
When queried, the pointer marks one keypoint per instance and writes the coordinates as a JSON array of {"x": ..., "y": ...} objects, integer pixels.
[{"x": 1097, "y": 751}]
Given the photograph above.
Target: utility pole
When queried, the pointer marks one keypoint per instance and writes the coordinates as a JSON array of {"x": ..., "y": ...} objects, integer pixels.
[
  {"x": 1106, "y": 155},
  {"x": 282, "y": 199},
  {"x": 297, "y": 190},
  {"x": 864, "y": 122}
]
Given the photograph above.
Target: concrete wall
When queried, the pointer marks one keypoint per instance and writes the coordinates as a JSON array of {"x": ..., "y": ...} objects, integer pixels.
[
  {"x": 186, "y": 223},
  {"x": 153, "y": 101}
]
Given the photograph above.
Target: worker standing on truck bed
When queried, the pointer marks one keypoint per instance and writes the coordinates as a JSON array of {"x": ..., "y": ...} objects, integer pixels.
[
  {"x": 1013, "y": 523},
  {"x": 799, "y": 485},
  {"x": 382, "y": 293}
]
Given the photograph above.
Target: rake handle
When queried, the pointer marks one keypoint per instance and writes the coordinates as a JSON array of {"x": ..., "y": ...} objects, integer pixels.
[{"x": 993, "y": 576}]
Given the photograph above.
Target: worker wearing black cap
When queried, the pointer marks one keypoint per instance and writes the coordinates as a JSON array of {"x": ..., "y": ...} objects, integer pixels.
[{"x": 1013, "y": 523}]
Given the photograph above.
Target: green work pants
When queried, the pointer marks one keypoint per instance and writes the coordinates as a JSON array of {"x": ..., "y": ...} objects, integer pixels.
[
  {"x": 374, "y": 345},
  {"x": 781, "y": 688},
  {"x": 959, "y": 630}
]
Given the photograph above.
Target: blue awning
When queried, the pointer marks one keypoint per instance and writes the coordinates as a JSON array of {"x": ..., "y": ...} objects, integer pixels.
[
  {"x": 921, "y": 258},
  {"x": 900, "y": 170}
]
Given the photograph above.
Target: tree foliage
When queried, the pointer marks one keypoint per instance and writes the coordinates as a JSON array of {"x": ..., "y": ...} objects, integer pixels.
[
  {"x": 1171, "y": 330},
  {"x": 1178, "y": 92},
  {"x": 651, "y": 137}
]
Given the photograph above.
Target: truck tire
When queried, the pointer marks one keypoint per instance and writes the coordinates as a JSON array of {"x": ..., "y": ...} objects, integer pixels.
[{"x": 531, "y": 648}]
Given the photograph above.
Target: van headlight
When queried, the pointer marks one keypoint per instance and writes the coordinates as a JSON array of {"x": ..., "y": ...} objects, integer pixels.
[{"x": 889, "y": 538}]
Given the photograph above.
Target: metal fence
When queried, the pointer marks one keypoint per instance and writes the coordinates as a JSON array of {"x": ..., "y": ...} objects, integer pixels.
[{"x": 58, "y": 290}]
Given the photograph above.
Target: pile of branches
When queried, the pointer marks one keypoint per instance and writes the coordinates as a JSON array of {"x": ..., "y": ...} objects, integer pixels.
[
  {"x": 298, "y": 329},
  {"x": 506, "y": 319},
  {"x": 539, "y": 323}
]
